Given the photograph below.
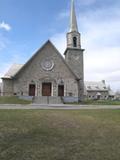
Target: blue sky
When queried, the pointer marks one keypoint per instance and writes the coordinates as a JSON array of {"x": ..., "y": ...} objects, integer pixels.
[{"x": 27, "y": 24}]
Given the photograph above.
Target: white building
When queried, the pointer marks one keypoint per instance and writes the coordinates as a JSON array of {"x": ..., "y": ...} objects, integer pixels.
[{"x": 98, "y": 90}]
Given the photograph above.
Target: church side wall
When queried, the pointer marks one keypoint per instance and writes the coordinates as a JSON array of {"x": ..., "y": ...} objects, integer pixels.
[{"x": 7, "y": 87}]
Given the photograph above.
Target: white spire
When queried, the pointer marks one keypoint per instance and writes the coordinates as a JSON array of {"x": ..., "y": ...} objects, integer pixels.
[{"x": 73, "y": 21}]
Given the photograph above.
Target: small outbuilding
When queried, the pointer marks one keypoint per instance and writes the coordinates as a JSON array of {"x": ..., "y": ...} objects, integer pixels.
[{"x": 98, "y": 90}]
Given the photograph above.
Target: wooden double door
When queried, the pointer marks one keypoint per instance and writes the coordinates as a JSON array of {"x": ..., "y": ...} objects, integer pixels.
[{"x": 46, "y": 89}]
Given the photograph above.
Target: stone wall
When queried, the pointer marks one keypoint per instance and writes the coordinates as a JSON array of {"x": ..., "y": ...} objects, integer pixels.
[
  {"x": 7, "y": 87},
  {"x": 74, "y": 58},
  {"x": 34, "y": 73}
]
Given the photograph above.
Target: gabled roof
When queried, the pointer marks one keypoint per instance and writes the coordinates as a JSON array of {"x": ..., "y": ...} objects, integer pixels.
[
  {"x": 16, "y": 69},
  {"x": 95, "y": 86},
  {"x": 13, "y": 70}
]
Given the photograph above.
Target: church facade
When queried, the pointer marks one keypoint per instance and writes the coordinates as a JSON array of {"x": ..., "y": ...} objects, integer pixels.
[{"x": 47, "y": 73}]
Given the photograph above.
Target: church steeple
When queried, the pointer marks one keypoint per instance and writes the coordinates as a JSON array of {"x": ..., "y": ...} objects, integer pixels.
[
  {"x": 74, "y": 53},
  {"x": 73, "y": 36},
  {"x": 73, "y": 21}
]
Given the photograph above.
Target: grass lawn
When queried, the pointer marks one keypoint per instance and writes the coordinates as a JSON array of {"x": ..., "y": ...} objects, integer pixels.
[
  {"x": 59, "y": 135},
  {"x": 16, "y": 100},
  {"x": 13, "y": 100},
  {"x": 101, "y": 102}
]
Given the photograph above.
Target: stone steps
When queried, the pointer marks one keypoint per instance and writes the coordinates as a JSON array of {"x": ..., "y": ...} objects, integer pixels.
[{"x": 47, "y": 100}]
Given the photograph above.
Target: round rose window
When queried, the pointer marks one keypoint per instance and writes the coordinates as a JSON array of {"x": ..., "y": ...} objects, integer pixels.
[{"x": 47, "y": 64}]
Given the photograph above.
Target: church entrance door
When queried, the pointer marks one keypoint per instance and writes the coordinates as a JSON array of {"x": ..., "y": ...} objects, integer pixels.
[
  {"x": 46, "y": 89},
  {"x": 61, "y": 90},
  {"x": 32, "y": 90}
]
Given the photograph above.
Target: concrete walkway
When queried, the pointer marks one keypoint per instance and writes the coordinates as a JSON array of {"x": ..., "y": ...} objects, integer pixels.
[{"x": 58, "y": 106}]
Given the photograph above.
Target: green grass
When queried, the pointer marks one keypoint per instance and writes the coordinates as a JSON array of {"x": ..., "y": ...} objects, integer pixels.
[
  {"x": 13, "y": 100},
  {"x": 97, "y": 102},
  {"x": 101, "y": 102},
  {"x": 59, "y": 135}
]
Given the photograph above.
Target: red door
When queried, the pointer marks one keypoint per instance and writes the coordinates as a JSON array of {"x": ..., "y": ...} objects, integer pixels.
[
  {"x": 46, "y": 89},
  {"x": 32, "y": 90}
]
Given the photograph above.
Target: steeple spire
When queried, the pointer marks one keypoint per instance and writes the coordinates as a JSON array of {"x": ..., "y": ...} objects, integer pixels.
[
  {"x": 73, "y": 36},
  {"x": 73, "y": 21}
]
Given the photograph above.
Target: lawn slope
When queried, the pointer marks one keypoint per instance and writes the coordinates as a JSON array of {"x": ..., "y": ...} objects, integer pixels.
[
  {"x": 59, "y": 135},
  {"x": 12, "y": 100}
]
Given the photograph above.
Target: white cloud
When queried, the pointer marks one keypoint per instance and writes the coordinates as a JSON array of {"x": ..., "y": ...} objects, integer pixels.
[
  {"x": 101, "y": 41},
  {"x": 5, "y": 26},
  {"x": 63, "y": 14},
  {"x": 2, "y": 45},
  {"x": 3, "y": 42},
  {"x": 85, "y": 2},
  {"x": 60, "y": 41},
  {"x": 100, "y": 37},
  {"x": 3, "y": 39}
]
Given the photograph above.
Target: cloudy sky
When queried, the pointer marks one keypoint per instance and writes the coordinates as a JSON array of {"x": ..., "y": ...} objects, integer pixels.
[{"x": 27, "y": 24}]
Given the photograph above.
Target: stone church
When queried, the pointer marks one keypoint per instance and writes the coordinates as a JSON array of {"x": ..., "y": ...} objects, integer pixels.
[{"x": 47, "y": 73}]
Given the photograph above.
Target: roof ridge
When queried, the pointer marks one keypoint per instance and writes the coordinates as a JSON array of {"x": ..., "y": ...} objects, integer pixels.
[{"x": 48, "y": 41}]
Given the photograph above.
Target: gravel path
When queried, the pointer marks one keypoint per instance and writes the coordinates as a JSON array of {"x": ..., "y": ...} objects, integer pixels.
[{"x": 58, "y": 106}]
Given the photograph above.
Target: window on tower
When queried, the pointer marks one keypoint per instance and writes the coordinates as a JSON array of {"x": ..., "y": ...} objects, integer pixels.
[{"x": 74, "y": 42}]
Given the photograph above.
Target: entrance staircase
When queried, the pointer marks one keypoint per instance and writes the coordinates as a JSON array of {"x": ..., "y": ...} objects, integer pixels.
[{"x": 48, "y": 100}]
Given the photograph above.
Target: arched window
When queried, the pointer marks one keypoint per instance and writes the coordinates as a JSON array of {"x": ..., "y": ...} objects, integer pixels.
[{"x": 74, "y": 42}]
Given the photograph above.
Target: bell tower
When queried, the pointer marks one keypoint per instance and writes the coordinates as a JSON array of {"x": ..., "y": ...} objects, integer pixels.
[
  {"x": 73, "y": 36},
  {"x": 74, "y": 52}
]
